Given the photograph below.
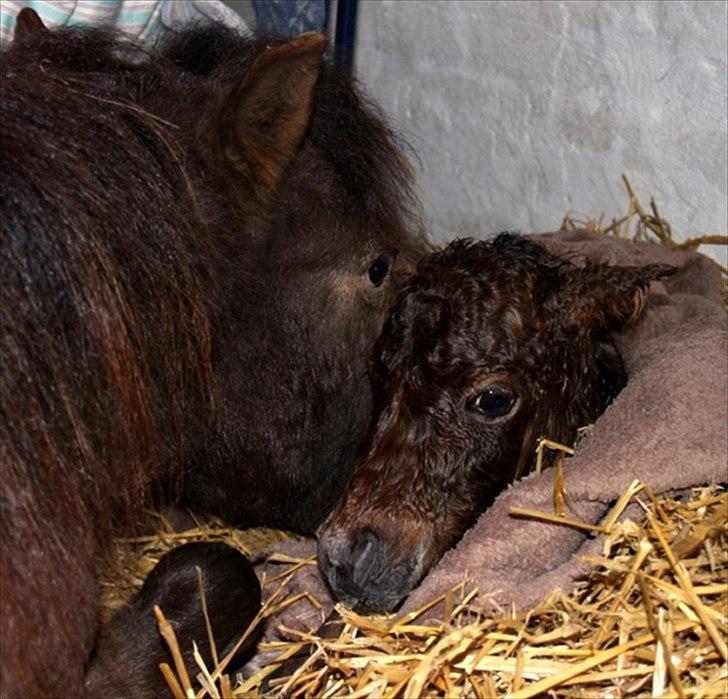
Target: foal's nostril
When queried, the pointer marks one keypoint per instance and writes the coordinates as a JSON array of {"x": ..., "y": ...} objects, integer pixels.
[
  {"x": 364, "y": 550},
  {"x": 365, "y": 570},
  {"x": 354, "y": 563}
]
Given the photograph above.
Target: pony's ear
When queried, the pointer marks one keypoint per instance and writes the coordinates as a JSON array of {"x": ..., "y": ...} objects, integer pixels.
[
  {"x": 26, "y": 23},
  {"x": 265, "y": 118},
  {"x": 602, "y": 297}
]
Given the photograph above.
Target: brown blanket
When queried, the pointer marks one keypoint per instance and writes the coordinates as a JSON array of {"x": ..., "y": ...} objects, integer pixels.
[{"x": 668, "y": 428}]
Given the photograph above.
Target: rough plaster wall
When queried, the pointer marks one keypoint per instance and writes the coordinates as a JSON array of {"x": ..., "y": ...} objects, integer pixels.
[{"x": 521, "y": 111}]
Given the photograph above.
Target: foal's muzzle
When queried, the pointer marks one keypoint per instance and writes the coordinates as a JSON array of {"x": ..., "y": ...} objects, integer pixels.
[{"x": 366, "y": 571}]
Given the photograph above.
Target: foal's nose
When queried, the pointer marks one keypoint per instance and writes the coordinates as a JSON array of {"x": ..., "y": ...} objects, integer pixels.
[
  {"x": 365, "y": 568},
  {"x": 351, "y": 561},
  {"x": 352, "y": 557}
]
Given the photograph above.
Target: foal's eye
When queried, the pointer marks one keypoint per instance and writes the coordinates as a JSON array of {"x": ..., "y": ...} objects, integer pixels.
[
  {"x": 378, "y": 270},
  {"x": 494, "y": 402}
]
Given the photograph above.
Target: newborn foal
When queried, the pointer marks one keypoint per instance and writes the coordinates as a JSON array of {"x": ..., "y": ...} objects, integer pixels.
[{"x": 490, "y": 346}]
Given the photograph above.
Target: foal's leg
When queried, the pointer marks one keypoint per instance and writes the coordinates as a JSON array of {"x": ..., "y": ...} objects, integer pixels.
[{"x": 130, "y": 648}]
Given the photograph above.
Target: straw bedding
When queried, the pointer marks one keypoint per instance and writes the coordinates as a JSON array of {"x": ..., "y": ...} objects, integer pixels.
[
  {"x": 648, "y": 619},
  {"x": 644, "y": 612}
]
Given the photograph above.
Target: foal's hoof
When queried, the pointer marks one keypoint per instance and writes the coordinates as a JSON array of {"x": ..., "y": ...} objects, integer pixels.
[
  {"x": 130, "y": 648},
  {"x": 232, "y": 595}
]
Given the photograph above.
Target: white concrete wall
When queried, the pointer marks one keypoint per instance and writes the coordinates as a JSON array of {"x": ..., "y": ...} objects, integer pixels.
[{"x": 521, "y": 111}]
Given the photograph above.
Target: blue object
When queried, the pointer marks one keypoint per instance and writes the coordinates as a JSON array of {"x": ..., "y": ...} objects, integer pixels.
[{"x": 290, "y": 17}]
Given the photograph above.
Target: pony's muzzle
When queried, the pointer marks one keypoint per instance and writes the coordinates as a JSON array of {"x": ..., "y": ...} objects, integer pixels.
[{"x": 363, "y": 570}]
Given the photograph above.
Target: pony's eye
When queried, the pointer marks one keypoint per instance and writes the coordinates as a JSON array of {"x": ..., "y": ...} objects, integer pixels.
[
  {"x": 494, "y": 402},
  {"x": 378, "y": 270}
]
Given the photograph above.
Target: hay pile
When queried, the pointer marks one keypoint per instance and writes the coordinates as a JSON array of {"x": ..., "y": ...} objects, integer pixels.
[{"x": 649, "y": 620}]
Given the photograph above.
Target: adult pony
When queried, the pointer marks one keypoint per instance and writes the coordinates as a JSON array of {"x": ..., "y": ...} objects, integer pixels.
[
  {"x": 490, "y": 346},
  {"x": 198, "y": 246}
]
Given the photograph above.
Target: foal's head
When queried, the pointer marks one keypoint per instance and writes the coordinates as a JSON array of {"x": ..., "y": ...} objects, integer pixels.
[{"x": 490, "y": 346}]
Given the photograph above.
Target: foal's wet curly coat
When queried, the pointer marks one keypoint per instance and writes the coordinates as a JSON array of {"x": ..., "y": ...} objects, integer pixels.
[{"x": 490, "y": 346}]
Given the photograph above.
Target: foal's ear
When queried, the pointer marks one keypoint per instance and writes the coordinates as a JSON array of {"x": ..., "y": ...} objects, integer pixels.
[
  {"x": 601, "y": 297},
  {"x": 410, "y": 335},
  {"x": 26, "y": 23},
  {"x": 266, "y": 117}
]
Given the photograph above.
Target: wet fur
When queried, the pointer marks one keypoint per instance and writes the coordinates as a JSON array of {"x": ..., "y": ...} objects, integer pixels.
[{"x": 501, "y": 312}]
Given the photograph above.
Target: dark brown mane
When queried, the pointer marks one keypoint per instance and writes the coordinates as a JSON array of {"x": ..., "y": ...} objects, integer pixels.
[
  {"x": 206, "y": 61},
  {"x": 364, "y": 152},
  {"x": 129, "y": 297}
]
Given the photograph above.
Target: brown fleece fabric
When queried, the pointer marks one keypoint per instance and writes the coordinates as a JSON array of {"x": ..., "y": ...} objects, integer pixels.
[{"x": 668, "y": 428}]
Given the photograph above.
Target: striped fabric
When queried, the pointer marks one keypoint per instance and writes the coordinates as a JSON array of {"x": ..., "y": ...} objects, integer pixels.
[{"x": 142, "y": 19}]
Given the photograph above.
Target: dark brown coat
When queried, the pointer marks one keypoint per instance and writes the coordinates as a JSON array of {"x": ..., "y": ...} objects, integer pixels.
[{"x": 197, "y": 246}]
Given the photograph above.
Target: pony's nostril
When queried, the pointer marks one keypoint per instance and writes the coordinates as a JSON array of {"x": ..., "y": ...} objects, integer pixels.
[{"x": 364, "y": 550}]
